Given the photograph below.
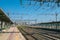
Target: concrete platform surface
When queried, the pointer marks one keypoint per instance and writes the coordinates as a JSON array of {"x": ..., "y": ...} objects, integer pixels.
[{"x": 11, "y": 34}]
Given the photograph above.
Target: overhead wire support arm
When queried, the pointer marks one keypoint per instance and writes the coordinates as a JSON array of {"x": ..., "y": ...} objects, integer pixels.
[
  {"x": 39, "y": 0},
  {"x": 29, "y": 2},
  {"x": 58, "y": 3},
  {"x": 35, "y": 3},
  {"x": 40, "y": 4},
  {"x": 20, "y": 2}
]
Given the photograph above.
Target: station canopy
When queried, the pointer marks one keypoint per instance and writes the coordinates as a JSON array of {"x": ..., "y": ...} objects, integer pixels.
[{"x": 4, "y": 17}]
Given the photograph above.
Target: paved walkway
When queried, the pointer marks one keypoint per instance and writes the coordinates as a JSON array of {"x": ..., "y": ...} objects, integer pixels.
[{"x": 11, "y": 34}]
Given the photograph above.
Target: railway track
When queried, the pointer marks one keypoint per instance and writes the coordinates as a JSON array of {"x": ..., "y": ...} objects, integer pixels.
[
  {"x": 55, "y": 34},
  {"x": 48, "y": 34},
  {"x": 37, "y": 34},
  {"x": 27, "y": 35}
]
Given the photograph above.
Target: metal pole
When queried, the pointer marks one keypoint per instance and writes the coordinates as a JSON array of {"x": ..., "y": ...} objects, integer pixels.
[
  {"x": 1, "y": 25},
  {"x": 35, "y": 21},
  {"x": 56, "y": 17},
  {"x": 56, "y": 20}
]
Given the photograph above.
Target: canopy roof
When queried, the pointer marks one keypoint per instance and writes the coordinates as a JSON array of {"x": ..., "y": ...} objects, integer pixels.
[{"x": 4, "y": 17}]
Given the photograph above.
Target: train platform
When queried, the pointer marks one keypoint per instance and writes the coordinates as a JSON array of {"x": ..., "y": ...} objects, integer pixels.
[{"x": 11, "y": 34}]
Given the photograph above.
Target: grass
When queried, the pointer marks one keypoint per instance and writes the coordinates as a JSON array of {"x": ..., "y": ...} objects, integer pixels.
[{"x": 21, "y": 27}]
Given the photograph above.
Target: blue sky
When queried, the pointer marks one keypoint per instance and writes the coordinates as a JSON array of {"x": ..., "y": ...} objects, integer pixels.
[{"x": 31, "y": 12}]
